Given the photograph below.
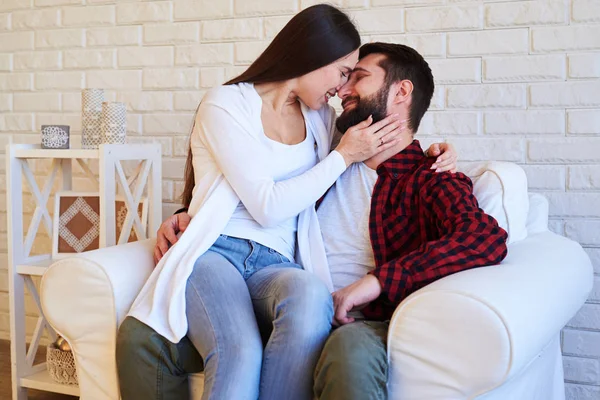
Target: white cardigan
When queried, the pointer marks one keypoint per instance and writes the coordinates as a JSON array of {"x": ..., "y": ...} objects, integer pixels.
[{"x": 227, "y": 144}]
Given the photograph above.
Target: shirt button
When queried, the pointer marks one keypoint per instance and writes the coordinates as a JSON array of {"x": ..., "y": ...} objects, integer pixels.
[{"x": 395, "y": 176}]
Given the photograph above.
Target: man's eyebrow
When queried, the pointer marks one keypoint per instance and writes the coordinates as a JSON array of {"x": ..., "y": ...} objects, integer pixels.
[{"x": 360, "y": 69}]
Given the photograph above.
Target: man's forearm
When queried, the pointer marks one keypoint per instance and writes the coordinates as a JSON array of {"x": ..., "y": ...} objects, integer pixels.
[{"x": 467, "y": 238}]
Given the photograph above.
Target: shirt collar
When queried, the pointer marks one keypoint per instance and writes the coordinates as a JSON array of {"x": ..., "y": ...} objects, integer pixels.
[{"x": 403, "y": 162}]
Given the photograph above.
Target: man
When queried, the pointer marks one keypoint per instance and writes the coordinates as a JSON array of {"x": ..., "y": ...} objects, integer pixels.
[
  {"x": 390, "y": 225},
  {"x": 404, "y": 226}
]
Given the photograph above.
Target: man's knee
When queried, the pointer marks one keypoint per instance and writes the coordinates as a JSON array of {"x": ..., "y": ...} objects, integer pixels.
[
  {"x": 133, "y": 339},
  {"x": 353, "y": 363},
  {"x": 148, "y": 364},
  {"x": 139, "y": 347},
  {"x": 343, "y": 349}
]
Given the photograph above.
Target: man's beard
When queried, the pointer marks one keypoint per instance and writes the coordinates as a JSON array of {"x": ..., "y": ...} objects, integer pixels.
[{"x": 375, "y": 105}]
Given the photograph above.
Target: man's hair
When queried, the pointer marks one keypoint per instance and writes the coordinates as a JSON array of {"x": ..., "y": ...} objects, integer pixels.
[{"x": 402, "y": 62}]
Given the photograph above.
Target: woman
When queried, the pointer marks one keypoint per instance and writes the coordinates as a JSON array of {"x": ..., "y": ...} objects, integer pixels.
[{"x": 259, "y": 160}]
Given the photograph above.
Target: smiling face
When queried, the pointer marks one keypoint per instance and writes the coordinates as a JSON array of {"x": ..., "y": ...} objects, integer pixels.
[
  {"x": 317, "y": 87},
  {"x": 366, "y": 93}
]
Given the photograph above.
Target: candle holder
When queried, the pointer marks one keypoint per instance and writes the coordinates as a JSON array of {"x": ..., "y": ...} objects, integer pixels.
[
  {"x": 91, "y": 113},
  {"x": 114, "y": 122}
]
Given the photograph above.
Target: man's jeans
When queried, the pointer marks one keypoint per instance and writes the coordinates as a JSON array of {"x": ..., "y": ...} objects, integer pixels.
[
  {"x": 353, "y": 365},
  {"x": 240, "y": 297}
]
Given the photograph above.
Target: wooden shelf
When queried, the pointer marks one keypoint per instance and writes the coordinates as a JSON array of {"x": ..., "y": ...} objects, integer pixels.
[
  {"x": 35, "y": 267},
  {"x": 146, "y": 178},
  {"x": 43, "y": 381},
  {"x": 125, "y": 151},
  {"x": 53, "y": 153}
]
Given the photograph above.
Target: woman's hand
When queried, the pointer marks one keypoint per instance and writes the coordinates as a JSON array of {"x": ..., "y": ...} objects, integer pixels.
[
  {"x": 447, "y": 157},
  {"x": 166, "y": 236},
  {"x": 366, "y": 139}
]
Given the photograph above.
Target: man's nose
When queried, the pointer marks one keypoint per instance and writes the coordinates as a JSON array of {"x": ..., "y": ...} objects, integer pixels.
[{"x": 343, "y": 91}]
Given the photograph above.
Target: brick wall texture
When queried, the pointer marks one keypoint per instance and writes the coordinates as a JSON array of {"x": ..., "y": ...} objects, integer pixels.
[{"x": 516, "y": 80}]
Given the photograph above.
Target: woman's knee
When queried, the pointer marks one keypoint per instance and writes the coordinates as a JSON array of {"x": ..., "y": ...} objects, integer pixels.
[
  {"x": 304, "y": 296},
  {"x": 246, "y": 354},
  {"x": 221, "y": 321}
]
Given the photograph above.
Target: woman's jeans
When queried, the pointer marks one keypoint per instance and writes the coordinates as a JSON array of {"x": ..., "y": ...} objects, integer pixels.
[{"x": 257, "y": 321}]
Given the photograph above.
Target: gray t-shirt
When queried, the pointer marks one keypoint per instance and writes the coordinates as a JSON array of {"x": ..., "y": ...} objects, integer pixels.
[{"x": 344, "y": 219}]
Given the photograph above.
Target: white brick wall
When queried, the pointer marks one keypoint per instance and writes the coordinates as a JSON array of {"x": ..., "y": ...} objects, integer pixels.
[
  {"x": 584, "y": 66},
  {"x": 534, "y": 68},
  {"x": 525, "y": 13},
  {"x": 88, "y": 16},
  {"x": 517, "y": 80}
]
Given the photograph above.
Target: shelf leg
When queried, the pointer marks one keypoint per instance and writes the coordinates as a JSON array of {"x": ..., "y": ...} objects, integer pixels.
[{"x": 16, "y": 284}]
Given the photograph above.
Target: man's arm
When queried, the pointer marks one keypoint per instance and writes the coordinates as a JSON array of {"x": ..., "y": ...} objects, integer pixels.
[{"x": 470, "y": 238}]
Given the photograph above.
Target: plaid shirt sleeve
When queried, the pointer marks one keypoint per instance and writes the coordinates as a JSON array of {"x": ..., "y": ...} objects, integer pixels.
[{"x": 468, "y": 238}]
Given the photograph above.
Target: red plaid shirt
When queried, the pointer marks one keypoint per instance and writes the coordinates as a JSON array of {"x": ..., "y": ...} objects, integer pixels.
[{"x": 424, "y": 226}]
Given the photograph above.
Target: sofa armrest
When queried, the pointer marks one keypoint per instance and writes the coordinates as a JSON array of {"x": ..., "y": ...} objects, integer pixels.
[
  {"x": 85, "y": 298},
  {"x": 468, "y": 333}
]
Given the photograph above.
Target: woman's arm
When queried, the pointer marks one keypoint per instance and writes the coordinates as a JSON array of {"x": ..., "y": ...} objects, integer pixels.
[
  {"x": 446, "y": 157},
  {"x": 240, "y": 155}
]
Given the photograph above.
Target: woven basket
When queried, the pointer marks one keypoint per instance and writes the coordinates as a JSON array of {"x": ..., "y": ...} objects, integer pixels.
[{"x": 61, "y": 365}]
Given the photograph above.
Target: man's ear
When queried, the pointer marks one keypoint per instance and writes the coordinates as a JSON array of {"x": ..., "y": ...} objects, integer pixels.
[{"x": 402, "y": 91}]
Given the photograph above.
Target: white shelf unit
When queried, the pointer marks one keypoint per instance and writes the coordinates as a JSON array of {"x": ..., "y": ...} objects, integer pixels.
[{"x": 22, "y": 266}]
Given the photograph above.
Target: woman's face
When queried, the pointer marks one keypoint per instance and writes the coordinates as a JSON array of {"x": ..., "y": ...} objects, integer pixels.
[{"x": 316, "y": 87}]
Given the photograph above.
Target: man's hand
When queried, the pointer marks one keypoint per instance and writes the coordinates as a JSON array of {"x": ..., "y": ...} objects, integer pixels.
[
  {"x": 354, "y": 297},
  {"x": 167, "y": 233}
]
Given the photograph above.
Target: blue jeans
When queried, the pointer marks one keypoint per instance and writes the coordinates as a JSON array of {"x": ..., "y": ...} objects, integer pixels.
[{"x": 240, "y": 297}]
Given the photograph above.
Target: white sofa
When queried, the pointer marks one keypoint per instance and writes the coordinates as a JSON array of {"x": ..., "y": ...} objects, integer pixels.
[{"x": 488, "y": 333}]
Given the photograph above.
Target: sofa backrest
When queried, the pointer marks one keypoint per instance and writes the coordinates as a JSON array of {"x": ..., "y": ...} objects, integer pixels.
[{"x": 501, "y": 190}]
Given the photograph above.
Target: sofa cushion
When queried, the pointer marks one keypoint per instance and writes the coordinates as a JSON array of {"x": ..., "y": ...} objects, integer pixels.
[{"x": 501, "y": 190}]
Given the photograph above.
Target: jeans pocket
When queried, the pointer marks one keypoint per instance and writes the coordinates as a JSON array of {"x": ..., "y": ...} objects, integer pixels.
[
  {"x": 282, "y": 258},
  {"x": 276, "y": 257}
]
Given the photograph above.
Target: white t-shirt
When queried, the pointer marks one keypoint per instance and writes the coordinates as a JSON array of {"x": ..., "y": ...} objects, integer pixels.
[
  {"x": 273, "y": 180},
  {"x": 286, "y": 161},
  {"x": 344, "y": 219}
]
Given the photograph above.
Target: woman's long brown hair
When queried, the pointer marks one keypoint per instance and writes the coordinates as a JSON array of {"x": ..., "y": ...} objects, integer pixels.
[{"x": 313, "y": 38}]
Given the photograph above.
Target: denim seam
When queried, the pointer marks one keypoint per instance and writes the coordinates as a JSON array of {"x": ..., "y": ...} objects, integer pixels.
[
  {"x": 253, "y": 249},
  {"x": 263, "y": 368},
  {"x": 212, "y": 330},
  {"x": 265, "y": 359}
]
